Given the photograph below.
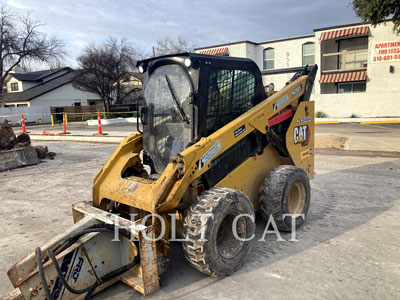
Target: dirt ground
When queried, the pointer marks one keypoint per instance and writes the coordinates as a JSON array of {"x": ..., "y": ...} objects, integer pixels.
[
  {"x": 349, "y": 247},
  {"x": 328, "y": 141}
]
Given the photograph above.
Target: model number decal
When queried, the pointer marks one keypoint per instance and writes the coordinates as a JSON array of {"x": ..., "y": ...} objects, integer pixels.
[
  {"x": 296, "y": 90},
  {"x": 239, "y": 131},
  {"x": 304, "y": 120},
  {"x": 301, "y": 134},
  {"x": 209, "y": 154},
  {"x": 281, "y": 102}
]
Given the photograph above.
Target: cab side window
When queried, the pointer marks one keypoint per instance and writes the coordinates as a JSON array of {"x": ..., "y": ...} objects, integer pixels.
[{"x": 230, "y": 94}]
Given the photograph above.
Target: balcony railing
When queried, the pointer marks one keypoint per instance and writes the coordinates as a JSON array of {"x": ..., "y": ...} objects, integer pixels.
[{"x": 345, "y": 61}]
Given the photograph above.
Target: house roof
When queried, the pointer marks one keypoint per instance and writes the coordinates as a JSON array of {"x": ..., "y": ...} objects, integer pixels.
[
  {"x": 38, "y": 75},
  {"x": 40, "y": 89}
]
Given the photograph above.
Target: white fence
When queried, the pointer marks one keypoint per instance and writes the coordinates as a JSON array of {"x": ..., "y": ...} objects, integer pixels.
[{"x": 37, "y": 114}]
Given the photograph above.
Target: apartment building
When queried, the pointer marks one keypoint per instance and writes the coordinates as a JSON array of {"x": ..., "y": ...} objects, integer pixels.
[{"x": 359, "y": 66}]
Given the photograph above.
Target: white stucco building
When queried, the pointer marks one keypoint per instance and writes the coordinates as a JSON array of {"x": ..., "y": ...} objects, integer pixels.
[
  {"x": 47, "y": 88},
  {"x": 359, "y": 66}
]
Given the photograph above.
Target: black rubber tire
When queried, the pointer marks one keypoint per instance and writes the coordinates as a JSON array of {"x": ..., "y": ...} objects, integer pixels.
[
  {"x": 205, "y": 254},
  {"x": 275, "y": 191}
]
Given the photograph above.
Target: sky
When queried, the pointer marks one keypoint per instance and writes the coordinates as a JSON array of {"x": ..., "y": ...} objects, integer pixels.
[{"x": 201, "y": 22}]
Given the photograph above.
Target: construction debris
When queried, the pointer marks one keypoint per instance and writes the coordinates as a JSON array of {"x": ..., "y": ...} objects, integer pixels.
[
  {"x": 16, "y": 151},
  {"x": 7, "y": 138},
  {"x": 43, "y": 152}
]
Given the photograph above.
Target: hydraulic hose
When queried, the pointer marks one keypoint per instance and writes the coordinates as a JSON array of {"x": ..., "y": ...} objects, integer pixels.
[{"x": 64, "y": 245}]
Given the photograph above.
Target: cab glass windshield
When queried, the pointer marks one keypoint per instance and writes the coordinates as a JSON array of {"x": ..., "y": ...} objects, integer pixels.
[{"x": 168, "y": 129}]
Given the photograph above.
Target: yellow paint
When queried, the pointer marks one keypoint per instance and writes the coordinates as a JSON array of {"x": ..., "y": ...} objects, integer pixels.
[
  {"x": 380, "y": 122},
  {"x": 52, "y": 120},
  {"x": 249, "y": 176},
  {"x": 164, "y": 194},
  {"x": 296, "y": 150}
]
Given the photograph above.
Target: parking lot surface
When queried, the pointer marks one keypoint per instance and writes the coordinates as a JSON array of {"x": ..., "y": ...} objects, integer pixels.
[{"x": 349, "y": 248}]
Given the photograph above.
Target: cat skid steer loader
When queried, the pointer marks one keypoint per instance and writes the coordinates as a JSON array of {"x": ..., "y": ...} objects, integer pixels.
[{"x": 215, "y": 149}]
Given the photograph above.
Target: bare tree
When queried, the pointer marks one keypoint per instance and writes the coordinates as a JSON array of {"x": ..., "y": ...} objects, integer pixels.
[
  {"x": 22, "y": 42},
  {"x": 167, "y": 45},
  {"x": 107, "y": 68}
]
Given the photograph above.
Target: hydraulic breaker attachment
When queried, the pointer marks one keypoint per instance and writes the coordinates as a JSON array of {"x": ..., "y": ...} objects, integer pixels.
[{"x": 97, "y": 251}]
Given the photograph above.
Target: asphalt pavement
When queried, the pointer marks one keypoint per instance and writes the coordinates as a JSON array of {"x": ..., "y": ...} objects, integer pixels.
[{"x": 349, "y": 247}]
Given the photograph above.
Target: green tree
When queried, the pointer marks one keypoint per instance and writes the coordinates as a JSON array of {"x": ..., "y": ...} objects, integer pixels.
[{"x": 377, "y": 11}]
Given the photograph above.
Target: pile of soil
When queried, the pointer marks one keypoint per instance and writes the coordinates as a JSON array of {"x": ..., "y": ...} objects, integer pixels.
[
  {"x": 338, "y": 141},
  {"x": 8, "y": 141}
]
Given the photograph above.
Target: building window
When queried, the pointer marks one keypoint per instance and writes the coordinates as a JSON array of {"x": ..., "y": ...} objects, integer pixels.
[
  {"x": 308, "y": 54},
  {"x": 77, "y": 104},
  {"x": 354, "y": 53},
  {"x": 353, "y": 87},
  {"x": 14, "y": 86},
  {"x": 347, "y": 55},
  {"x": 269, "y": 57}
]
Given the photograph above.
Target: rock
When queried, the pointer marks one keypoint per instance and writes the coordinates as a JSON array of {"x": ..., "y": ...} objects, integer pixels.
[
  {"x": 41, "y": 151},
  {"x": 7, "y": 138},
  {"x": 23, "y": 140},
  {"x": 19, "y": 157},
  {"x": 50, "y": 155}
]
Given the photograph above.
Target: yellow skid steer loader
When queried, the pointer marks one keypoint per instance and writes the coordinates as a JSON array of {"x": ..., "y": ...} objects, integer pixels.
[{"x": 215, "y": 148}]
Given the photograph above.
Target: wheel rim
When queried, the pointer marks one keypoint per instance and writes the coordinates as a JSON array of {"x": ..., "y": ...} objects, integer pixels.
[
  {"x": 297, "y": 198},
  {"x": 227, "y": 244}
]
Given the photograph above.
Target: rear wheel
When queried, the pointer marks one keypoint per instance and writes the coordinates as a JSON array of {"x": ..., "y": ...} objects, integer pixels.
[
  {"x": 219, "y": 252},
  {"x": 286, "y": 190}
]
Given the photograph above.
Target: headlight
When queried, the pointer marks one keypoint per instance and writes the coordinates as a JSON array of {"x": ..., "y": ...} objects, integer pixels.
[
  {"x": 271, "y": 87},
  {"x": 187, "y": 62},
  {"x": 141, "y": 69}
]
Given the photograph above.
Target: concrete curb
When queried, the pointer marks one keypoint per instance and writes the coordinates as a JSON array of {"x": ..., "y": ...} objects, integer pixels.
[
  {"x": 327, "y": 122},
  {"x": 77, "y": 138},
  {"x": 112, "y": 121}
]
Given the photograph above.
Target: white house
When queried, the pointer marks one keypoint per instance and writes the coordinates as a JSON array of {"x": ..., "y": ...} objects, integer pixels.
[
  {"x": 359, "y": 66},
  {"x": 47, "y": 88}
]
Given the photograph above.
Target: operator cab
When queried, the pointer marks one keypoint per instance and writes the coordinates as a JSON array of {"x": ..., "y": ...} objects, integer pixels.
[{"x": 188, "y": 96}]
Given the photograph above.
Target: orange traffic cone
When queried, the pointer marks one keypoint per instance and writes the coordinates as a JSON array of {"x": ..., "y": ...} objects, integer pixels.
[
  {"x": 23, "y": 123},
  {"x": 99, "y": 123},
  {"x": 64, "y": 125}
]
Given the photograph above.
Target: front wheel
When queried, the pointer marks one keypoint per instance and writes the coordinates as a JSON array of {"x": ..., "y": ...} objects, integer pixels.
[{"x": 213, "y": 248}]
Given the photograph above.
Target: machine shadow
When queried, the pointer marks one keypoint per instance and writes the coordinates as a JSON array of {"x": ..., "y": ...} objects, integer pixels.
[{"x": 337, "y": 206}]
